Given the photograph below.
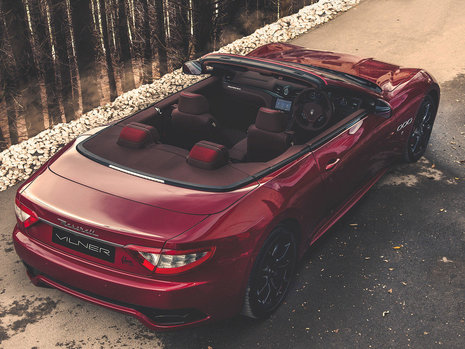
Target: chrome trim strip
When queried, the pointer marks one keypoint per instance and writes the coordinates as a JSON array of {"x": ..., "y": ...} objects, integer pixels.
[
  {"x": 136, "y": 174},
  {"x": 80, "y": 234}
]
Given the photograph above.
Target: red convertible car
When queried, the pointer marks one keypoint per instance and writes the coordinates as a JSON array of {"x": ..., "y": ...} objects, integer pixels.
[{"x": 199, "y": 207}]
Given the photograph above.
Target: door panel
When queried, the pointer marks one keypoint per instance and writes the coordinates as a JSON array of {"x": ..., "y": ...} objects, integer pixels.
[
  {"x": 300, "y": 185},
  {"x": 348, "y": 160}
]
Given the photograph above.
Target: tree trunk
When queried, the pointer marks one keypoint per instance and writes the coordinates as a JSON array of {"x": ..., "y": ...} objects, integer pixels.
[
  {"x": 125, "y": 58},
  {"x": 86, "y": 52},
  {"x": 43, "y": 50},
  {"x": 106, "y": 45},
  {"x": 180, "y": 32},
  {"x": 27, "y": 73},
  {"x": 8, "y": 81},
  {"x": 160, "y": 37},
  {"x": 202, "y": 14},
  {"x": 60, "y": 27},
  {"x": 147, "y": 44},
  {"x": 3, "y": 142}
]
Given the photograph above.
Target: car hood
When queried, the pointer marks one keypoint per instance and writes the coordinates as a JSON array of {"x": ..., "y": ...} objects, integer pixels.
[
  {"x": 387, "y": 76},
  {"x": 79, "y": 169}
]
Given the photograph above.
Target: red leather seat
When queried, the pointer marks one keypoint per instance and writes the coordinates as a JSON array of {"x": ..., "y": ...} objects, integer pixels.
[
  {"x": 267, "y": 138},
  {"x": 192, "y": 122}
]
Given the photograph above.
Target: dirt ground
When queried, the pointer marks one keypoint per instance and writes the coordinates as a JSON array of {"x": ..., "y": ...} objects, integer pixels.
[{"x": 390, "y": 274}]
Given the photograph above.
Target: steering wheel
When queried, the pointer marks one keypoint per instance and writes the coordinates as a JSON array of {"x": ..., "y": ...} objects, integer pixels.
[{"x": 312, "y": 110}]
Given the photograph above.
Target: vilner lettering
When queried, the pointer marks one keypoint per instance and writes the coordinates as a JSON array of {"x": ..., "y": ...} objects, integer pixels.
[{"x": 87, "y": 245}]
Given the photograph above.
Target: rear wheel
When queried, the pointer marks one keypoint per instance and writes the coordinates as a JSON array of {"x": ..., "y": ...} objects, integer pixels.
[
  {"x": 421, "y": 130},
  {"x": 271, "y": 274}
]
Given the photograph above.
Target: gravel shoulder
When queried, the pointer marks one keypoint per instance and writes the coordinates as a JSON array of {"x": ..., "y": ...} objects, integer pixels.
[{"x": 391, "y": 273}]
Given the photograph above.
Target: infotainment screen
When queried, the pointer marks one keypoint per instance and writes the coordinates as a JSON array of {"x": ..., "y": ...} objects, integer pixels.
[{"x": 283, "y": 104}]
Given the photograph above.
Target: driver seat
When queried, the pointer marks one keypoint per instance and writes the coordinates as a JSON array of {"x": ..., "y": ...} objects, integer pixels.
[{"x": 268, "y": 138}]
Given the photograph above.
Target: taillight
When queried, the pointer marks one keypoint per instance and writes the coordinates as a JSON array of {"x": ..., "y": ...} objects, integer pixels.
[
  {"x": 171, "y": 261},
  {"x": 25, "y": 215}
]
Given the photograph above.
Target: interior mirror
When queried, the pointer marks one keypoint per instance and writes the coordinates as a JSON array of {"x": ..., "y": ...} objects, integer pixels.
[
  {"x": 382, "y": 108},
  {"x": 192, "y": 68}
]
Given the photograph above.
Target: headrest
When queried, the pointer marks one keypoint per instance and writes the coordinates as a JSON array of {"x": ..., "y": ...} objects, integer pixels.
[
  {"x": 137, "y": 135},
  {"x": 192, "y": 103},
  {"x": 208, "y": 155},
  {"x": 271, "y": 120}
]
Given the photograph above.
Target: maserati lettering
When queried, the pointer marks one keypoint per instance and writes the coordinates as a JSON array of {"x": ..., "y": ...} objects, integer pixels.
[{"x": 77, "y": 227}]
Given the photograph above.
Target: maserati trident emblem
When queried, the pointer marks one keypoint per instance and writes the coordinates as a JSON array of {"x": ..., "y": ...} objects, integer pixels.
[{"x": 77, "y": 227}]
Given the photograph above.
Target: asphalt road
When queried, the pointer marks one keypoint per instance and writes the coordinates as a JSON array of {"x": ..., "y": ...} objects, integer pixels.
[{"x": 391, "y": 273}]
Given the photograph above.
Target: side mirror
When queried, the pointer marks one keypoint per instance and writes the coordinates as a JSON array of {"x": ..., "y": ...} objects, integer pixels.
[
  {"x": 382, "y": 108},
  {"x": 192, "y": 68}
]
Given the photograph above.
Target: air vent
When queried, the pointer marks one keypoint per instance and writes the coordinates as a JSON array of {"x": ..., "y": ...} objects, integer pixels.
[{"x": 278, "y": 89}]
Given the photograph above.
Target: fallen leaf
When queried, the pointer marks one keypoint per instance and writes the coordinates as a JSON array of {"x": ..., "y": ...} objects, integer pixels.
[
  {"x": 445, "y": 260},
  {"x": 425, "y": 333},
  {"x": 390, "y": 290},
  {"x": 433, "y": 166}
]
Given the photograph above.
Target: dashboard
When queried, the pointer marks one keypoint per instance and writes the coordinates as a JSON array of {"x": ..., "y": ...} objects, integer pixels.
[
  {"x": 343, "y": 103},
  {"x": 279, "y": 93}
]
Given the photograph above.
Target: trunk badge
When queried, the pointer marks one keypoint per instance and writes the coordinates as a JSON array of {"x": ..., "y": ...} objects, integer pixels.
[{"x": 77, "y": 227}]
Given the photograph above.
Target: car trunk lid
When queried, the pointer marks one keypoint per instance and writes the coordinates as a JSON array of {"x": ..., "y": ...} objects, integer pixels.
[
  {"x": 80, "y": 169},
  {"x": 99, "y": 226}
]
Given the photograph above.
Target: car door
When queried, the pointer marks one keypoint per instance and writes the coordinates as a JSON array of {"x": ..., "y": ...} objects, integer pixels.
[{"x": 348, "y": 156}]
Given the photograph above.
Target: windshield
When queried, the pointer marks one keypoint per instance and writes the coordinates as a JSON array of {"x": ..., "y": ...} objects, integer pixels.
[{"x": 340, "y": 76}]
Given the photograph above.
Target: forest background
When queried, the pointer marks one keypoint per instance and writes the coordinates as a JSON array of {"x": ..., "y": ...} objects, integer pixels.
[{"x": 62, "y": 58}]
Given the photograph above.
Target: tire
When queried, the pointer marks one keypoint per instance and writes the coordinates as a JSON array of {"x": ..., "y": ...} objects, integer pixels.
[
  {"x": 271, "y": 274},
  {"x": 418, "y": 139}
]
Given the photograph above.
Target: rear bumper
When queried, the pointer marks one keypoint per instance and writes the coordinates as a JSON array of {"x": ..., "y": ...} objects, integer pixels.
[{"x": 158, "y": 304}]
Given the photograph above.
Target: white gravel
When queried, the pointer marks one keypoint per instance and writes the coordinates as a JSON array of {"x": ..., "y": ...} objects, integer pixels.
[{"x": 19, "y": 161}]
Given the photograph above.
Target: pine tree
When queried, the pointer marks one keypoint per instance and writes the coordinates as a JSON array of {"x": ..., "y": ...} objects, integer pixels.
[
  {"x": 86, "y": 52},
  {"x": 26, "y": 70},
  {"x": 108, "y": 59},
  {"x": 125, "y": 55}
]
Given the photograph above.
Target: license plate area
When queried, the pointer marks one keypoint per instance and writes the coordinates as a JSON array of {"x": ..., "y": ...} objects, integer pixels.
[{"x": 84, "y": 245}]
